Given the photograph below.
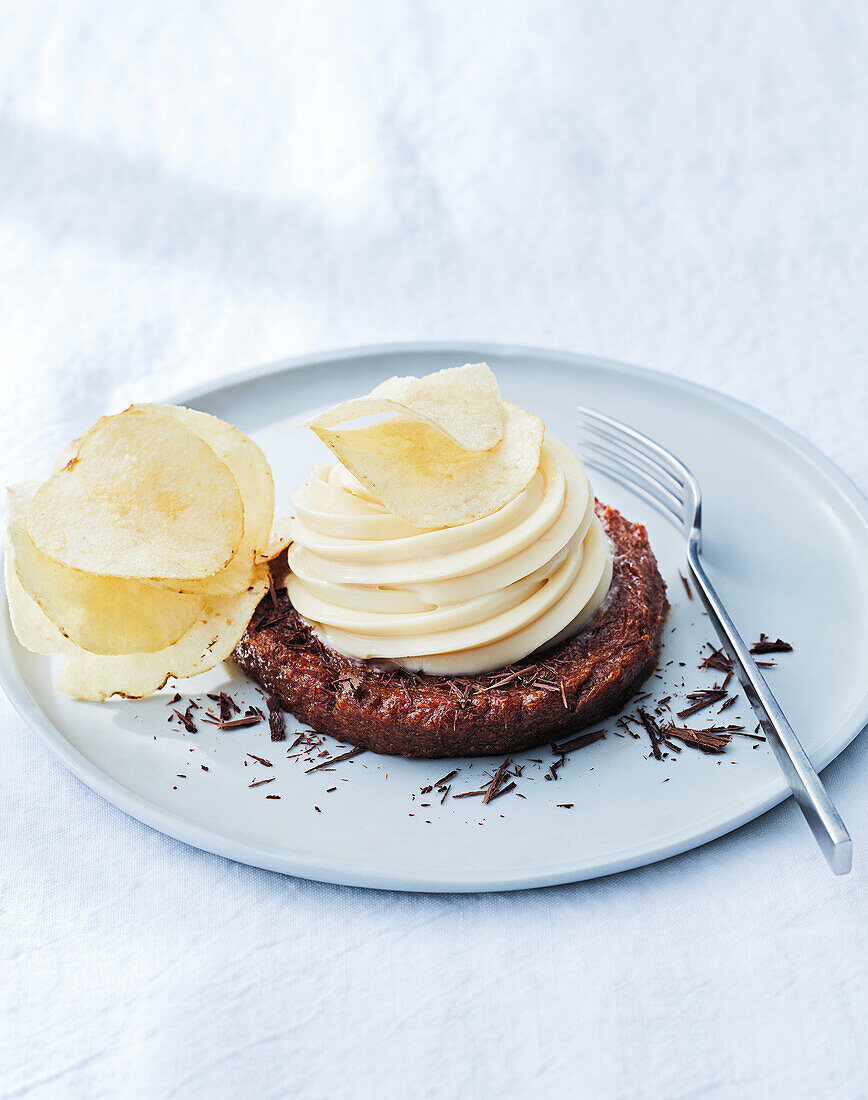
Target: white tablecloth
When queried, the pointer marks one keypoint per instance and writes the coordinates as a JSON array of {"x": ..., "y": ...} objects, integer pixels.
[{"x": 189, "y": 188}]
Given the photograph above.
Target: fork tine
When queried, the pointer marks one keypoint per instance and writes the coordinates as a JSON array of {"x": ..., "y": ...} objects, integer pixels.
[
  {"x": 621, "y": 432},
  {"x": 601, "y": 435},
  {"x": 639, "y": 483},
  {"x": 635, "y": 474},
  {"x": 622, "y": 452}
]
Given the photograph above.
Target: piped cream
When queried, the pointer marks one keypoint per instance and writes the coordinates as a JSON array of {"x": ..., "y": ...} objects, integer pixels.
[{"x": 451, "y": 600}]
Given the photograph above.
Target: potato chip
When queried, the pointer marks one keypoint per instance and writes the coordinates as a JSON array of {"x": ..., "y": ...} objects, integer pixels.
[
  {"x": 97, "y": 677},
  {"x": 249, "y": 467},
  {"x": 66, "y": 455},
  {"x": 422, "y": 476},
  {"x": 278, "y": 541},
  {"x": 463, "y": 403},
  {"x": 32, "y": 626},
  {"x": 464, "y": 400},
  {"x": 107, "y": 615},
  {"x": 142, "y": 497},
  {"x": 209, "y": 641}
]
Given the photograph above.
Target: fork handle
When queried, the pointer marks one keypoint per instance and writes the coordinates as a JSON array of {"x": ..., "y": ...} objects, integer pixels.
[{"x": 819, "y": 810}]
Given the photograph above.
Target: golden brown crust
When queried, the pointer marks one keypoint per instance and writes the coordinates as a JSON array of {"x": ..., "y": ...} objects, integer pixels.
[{"x": 579, "y": 682}]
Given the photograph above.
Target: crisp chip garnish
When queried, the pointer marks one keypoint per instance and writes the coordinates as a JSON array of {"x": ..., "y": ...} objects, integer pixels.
[
  {"x": 109, "y": 615},
  {"x": 278, "y": 541},
  {"x": 450, "y": 452},
  {"x": 32, "y": 626},
  {"x": 462, "y": 403},
  {"x": 249, "y": 467},
  {"x": 142, "y": 497},
  {"x": 209, "y": 641},
  {"x": 96, "y": 676}
]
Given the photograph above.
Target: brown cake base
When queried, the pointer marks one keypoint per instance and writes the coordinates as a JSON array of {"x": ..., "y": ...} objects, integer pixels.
[{"x": 579, "y": 682}]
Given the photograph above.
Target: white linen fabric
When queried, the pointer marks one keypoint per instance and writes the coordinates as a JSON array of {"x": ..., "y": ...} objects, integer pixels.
[{"x": 192, "y": 187}]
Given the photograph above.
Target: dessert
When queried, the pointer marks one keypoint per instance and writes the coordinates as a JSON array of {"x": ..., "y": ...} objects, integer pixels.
[
  {"x": 448, "y": 587},
  {"x": 451, "y": 586}
]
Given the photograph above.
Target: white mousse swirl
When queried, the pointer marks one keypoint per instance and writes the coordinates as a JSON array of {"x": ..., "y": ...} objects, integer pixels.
[{"x": 452, "y": 600}]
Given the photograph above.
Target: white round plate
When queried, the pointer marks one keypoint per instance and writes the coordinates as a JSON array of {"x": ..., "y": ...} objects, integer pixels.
[{"x": 786, "y": 542}]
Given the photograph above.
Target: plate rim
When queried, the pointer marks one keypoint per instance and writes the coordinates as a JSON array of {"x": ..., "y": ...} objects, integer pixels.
[{"x": 370, "y": 875}]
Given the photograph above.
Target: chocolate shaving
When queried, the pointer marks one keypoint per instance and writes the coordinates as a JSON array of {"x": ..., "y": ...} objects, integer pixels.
[
  {"x": 491, "y": 789},
  {"x": 260, "y": 760},
  {"x": 717, "y": 659},
  {"x": 579, "y": 742},
  {"x": 187, "y": 721},
  {"x": 706, "y": 741},
  {"x": 447, "y": 777},
  {"x": 227, "y": 705},
  {"x": 234, "y": 723},
  {"x": 766, "y": 646},
  {"x": 262, "y": 782},
  {"x": 334, "y": 760},
  {"x": 276, "y": 722},
  {"x": 653, "y": 731},
  {"x": 279, "y": 618},
  {"x": 701, "y": 699},
  {"x": 502, "y": 682},
  {"x": 686, "y": 584}
]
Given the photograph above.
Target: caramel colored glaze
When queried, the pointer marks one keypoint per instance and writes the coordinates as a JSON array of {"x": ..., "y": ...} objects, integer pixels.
[{"x": 410, "y": 714}]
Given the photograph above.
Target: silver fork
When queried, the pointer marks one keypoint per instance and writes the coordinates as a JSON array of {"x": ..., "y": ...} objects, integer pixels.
[{"x": 666, "y": 483}]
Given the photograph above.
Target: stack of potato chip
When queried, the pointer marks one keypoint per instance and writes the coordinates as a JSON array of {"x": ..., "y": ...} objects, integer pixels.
[{"x": 145, "y": 553}]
